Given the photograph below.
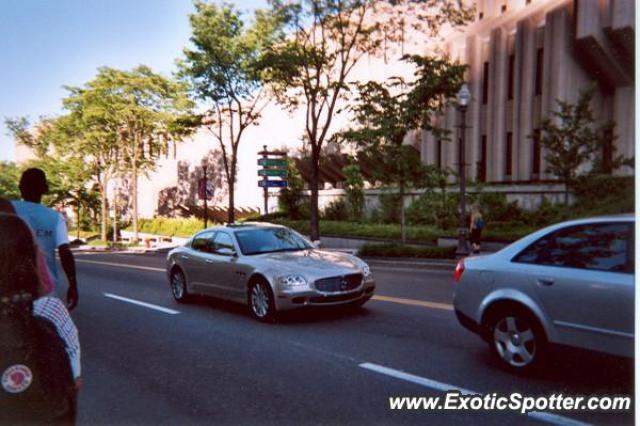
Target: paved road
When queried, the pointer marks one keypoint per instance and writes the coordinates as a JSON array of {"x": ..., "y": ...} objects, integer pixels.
[{"x": 208, "y": 362}]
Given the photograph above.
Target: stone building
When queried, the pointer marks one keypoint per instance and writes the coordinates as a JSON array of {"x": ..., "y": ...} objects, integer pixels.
[{"x": 523, "y": 55}]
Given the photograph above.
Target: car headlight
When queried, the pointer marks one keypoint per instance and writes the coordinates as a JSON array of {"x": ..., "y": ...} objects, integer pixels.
[
  {"x": 366, "y": 270},
  {"x": 292, "y": 281}
]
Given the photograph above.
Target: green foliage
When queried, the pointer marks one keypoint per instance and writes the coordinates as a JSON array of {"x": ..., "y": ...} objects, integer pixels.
[
  {"x": 336, "y": 210},
  {"x": 171, "y": 227},
  {"x": 435, "y": 209},
  {"x": 354, "y": 189},
  {"x": 9, "y": 177},
  {"x": 571, "y": 139},
  {"x": 398, "y": 250},
  {"x": 292, "y": 200},
  {"x": 495, "y": 207},
  {"x": 389, "y": 209},
  {"x": 418, "y": 234}
]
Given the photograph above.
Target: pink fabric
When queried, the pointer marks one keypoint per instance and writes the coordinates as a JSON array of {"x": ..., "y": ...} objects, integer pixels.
[{"x": 45, "y": 276}]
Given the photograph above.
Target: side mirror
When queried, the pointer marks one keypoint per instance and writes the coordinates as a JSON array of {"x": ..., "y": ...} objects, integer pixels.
[
  {"x": 317, "y": 244},
  {"x": 225, "y": 251}
]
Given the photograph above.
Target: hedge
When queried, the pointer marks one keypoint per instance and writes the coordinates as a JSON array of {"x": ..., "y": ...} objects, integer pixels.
[{"x": 398, "y": 250}]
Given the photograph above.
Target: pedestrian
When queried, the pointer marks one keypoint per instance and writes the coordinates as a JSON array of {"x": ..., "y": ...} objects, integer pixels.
[
  {"x": 49, "y": 228},
  {"x": 476, "y": 226},
  {"x": 52, "y": 308},
  {"x": 36, "y": 383},
  {"x": 43, "y": 269}
]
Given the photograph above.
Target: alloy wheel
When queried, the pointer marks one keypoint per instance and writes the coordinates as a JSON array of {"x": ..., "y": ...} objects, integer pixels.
[{"x": 515, "y": 341}]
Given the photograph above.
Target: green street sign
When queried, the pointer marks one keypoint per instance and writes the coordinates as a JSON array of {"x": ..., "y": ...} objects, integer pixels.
[
  {"x": 272, "y": 172},
  {"x": 273, "y": 162}
]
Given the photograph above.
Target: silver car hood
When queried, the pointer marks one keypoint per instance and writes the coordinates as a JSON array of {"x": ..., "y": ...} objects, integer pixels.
[{"x": 312, "y": 264}]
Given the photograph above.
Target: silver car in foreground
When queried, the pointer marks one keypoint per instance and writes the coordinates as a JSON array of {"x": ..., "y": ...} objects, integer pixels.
[
  {"x": 569, "y": 284},
  {"x": 269, "y": 267}
]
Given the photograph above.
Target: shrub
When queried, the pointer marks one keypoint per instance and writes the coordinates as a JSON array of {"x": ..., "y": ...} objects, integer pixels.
[
  {"x": 398, "y": 250},
  {"x": 354, "y": 188},
  {"x": 495, "y": 207},
  {"x": 336, "y": 210},
  {"x": 291, "y": 200},
  {"x": 436, "y": 209},
  {"x": 389, "y": 210}
]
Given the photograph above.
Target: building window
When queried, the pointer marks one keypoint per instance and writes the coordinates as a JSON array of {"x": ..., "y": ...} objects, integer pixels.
[
  {"x": 607, "y": 152},
  {"x": 535, "y": 170},
  {"x": 512, "y": 65},
  {"x": 439, "y": 153},
  {"x": 539, "y": 70},
  {"x": 482, "y": 164},
  {"x": 485, "y": 83},
  {"x": 503, "y": 9},
  {"x": 508, "y": 155},
  {"x": 528, "y": 2},
  {"x": 480, "y": 16}
]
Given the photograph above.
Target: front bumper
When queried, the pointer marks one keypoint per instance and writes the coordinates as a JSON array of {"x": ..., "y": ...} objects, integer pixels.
[{"x": 288, "y": 300}]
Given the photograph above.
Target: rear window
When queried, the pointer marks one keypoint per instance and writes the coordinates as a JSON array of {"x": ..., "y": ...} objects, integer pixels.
[{"x": 601, "y": 247}]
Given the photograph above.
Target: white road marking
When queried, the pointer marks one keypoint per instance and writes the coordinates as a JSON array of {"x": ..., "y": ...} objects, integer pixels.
[
  {"x": 121, "y": 265},
  {"x": 139, "y": 303},
  {"x": 445, "y": 387}
]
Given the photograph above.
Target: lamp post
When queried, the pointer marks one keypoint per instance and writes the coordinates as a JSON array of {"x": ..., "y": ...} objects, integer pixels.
[{"x": 463, "y": 98}]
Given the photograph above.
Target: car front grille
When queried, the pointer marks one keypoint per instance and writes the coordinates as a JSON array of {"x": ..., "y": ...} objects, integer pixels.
[
  {"x": 339, "y": 284},
  {"x": 336, "y": 298}
]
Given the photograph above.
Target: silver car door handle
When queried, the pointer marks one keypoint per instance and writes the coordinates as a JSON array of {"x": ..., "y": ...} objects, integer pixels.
[
  {"x": 208, "y": 261},
  {"x": 545, "y": 281},
  {"x": 184, "y": 257}
]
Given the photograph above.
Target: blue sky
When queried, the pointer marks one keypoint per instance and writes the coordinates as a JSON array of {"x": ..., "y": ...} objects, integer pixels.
[{"x": 45, "y": 44}]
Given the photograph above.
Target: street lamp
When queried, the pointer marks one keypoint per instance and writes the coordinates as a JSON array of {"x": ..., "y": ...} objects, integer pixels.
[{"x": 463, "y": 98}]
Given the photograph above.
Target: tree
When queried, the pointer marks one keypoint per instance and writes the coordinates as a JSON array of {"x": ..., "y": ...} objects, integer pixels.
[
  {"x": 386, "y": 113},
  {"x": 354, "y": 191},
  {"x": 9, "y": 176},
  {"x": 223, "y": 66},
  {"x": 291, "y": 199},
  {"x": 327, "y": 39},
  {"x": 571, "y": 138},
  {"x": 149, "y": 112}
]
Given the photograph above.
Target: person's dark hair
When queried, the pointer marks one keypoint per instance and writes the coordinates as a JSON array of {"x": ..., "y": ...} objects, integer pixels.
[
  {"x": 33, "y": 183},
  {"x": 19, "y": 278},
  {"x": 6, "y": 206}
]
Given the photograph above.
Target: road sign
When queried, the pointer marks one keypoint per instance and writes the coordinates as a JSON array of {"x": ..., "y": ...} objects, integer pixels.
[
  {"x": 272, "y": 183},
  {"x": 272, "y": 162},
  {"x": 273, "y": 172},
  {"x": 278, "y": 153}
]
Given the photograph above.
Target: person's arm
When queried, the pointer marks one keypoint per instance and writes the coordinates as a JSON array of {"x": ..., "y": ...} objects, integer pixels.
[
  {"x": 69, "y": 266},
  {"x": 68, "y": 263}
]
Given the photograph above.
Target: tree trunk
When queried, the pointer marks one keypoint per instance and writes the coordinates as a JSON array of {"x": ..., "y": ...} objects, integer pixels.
[
  {"x": 314, "y": 226},
  {"x": 403, "y": 233},
  {"x": 104, "y": 213},
  {"x": 135, "y": 203},
  {"x": 231, "y": 212}
]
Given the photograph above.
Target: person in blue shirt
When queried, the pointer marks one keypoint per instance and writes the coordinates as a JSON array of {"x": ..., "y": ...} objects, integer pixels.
[{"x": 49, "y": 228}]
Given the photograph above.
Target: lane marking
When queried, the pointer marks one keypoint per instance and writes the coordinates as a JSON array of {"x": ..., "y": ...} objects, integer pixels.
[
  {"x": 380, "y": 298},
  {"x": 555, "y": 419},
  {"x": 413, "y": 302},
  {"x": 121, "y": 265},
  {"x": 139, "y": 303}
]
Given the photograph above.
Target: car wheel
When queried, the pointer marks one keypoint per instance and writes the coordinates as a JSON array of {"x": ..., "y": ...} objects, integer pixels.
[
  {"x": 261, "y": 303},
  {"x": 518, "y": 340},
  {"x": 179, "y": 286}
]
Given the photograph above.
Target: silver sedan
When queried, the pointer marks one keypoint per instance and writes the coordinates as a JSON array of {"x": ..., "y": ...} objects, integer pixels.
[
  {"x": 269, "y": 267},
  {"x": 569, "y": 284}
]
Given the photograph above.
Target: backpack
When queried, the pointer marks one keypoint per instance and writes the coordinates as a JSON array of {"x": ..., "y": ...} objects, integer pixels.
[
  {"x": 36, "y": 384},
  {"x": 479, "y": 225}
]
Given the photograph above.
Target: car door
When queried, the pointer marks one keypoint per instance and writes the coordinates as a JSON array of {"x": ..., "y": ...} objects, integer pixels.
[
  {"x": 197, "y": 269},
  {"x": 222, "y": 266},
  {"x": 583, "y": 278}
]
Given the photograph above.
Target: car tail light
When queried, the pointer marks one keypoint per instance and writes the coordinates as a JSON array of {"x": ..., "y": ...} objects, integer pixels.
[{"x": 459, "y": 270}]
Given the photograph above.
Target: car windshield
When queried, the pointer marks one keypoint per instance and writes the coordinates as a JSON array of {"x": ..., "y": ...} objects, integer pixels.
[{"x": 270, "y": 240}]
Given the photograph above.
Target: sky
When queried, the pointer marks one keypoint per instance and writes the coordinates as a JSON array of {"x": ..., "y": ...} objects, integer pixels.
[{"x": 47, "y": 44}]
